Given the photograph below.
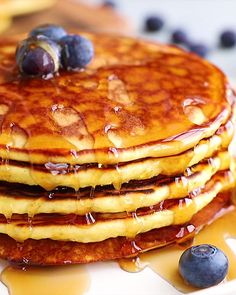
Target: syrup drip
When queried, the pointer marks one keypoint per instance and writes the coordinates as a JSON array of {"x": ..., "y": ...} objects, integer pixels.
[
  {"x": 165, "y": 261},
  {"x": 69, "y": 280}
]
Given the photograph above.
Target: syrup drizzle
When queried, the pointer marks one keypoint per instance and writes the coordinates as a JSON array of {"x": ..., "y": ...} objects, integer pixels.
[
  {"x": 74, "y": 280},
  {"x": 164, "y": 261},
  {"x": 69, "y": 280}
]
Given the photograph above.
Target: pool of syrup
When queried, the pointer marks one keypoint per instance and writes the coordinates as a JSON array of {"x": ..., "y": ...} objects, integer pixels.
[
  {"x": 165, "y": 261},
  {"x": 75, "y": 280},
  {"x": 63, "y": 280}
]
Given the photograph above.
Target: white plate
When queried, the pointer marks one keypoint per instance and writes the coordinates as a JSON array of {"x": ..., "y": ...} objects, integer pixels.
[{"x": 108, "y": 279}]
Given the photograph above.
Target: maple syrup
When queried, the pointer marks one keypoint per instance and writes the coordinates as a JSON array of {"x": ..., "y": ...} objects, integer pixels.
[
  {"x": 155, "y": 102},
  {"x": 69, "y": 280},
  {"x": 164, "y": 261}
]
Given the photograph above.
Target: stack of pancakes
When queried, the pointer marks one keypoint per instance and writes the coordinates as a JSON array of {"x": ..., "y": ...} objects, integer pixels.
[{"x": 127, "y": 155}]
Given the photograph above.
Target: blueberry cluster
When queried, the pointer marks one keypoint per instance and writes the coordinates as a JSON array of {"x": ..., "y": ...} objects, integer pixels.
[
  {"x": 203, "y": 266},
  {"x": 178, "y": 36},
  {"x": 49, "y": 48}
]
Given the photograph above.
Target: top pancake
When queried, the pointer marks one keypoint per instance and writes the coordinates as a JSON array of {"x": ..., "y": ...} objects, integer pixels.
[{"x": 136, "y": 99}]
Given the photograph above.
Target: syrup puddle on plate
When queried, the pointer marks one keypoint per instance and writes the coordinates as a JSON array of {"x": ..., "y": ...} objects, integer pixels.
[
  {"x": 165, "y": 261},
  {"x": 74, "y": 280},
  {"x": 58, "y": 280}
]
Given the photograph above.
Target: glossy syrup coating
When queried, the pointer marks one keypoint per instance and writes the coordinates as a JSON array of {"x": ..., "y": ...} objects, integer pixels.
[
  {"x": 135, "y": 99},
  {"x": 95, "y": 226},
  {"x": 49, "y": 252}
]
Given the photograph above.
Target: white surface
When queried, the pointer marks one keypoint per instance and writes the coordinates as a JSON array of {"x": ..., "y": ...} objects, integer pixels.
[
  {"x": 203, "y": 19},
  {"x": 108, "y": 279}
]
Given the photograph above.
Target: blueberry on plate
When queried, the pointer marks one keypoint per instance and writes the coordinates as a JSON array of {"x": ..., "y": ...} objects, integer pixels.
[
  {"x": 179, "y": 37},
  {"x": 228, "y": 39},
  {"x": 154, "y": 24},
  {"x": 38, "y": 56},
  {"x": 76, "y": 52},
  {"x": 203, "y": 266},
  {"x": 51, "y": 31},
  {"x": 198, "y": 48}
]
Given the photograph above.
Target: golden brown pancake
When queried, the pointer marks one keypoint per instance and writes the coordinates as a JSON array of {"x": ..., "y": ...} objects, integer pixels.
[
  {"x": 95, "y": 227},
  {"x": 135, "y": 100},
  {"x": 141, "y": 115},
  {"x": 49, "y": 252},
  {"x": 23, "y": 199},
  {"x": 51, "y": 175}
]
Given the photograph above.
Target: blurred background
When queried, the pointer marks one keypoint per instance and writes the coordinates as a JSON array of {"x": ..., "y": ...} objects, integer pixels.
[{"x": 207, "y": 27}]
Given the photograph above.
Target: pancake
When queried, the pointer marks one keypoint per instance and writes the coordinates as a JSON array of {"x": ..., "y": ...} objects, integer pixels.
[
  {"x": 150, "y": 100},
  {"x": 52, "y": 175},
  {"x": 136, "y": 194},
  {"x": 15, "y": 8},
  {"x": 97, "y": 227},
  {"x": 131, "y": 152},
  {"x": 50, "y": 252},
  {"x": 5, "y": 23}
]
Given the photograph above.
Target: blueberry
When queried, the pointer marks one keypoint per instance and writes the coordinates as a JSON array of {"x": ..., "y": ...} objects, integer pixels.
[
  {"x": 109, "y": 4},
  {"x": 51, "y": 31},
  {"x": 203, "y": 266},
  {"x": 76, "y": 52},
  {"x": 198, "y": 48},
  {"x": 179, "y": 36},
  {"x": 154, "y": 24},
  {"x": 38, "y": 56},
  {"x": 228, "y": 39}
]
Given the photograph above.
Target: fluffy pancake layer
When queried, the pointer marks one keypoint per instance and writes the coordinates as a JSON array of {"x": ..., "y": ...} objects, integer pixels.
[
  {"x": 50, "y": 252},
  {"x": 94, "y": 227},
  {"x": 52, "y": 175},
  {"x": 158, "y": 101},
  {"x": 26, "y": 200}
]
